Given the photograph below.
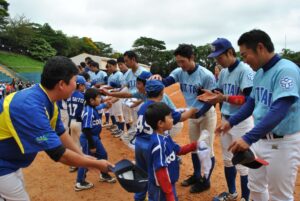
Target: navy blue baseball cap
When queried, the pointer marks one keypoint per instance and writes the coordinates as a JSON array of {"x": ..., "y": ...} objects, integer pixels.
[
  {"x": 249, "y": 159},
  {"x": 144, "y": 75},
  {"x": 132, "y": 178},
  {"x": 80, "y": 79},
  {"x": 219, "y": 46},
  {"x": 154, "y": 86}
]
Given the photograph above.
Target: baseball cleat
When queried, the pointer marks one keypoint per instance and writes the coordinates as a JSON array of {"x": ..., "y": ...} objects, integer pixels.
[
  {"x": 200, "y": 186},
  {"x": 189, "y": 181}
]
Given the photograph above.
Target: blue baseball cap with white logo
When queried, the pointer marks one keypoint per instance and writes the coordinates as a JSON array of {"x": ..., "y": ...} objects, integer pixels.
[
  {"x": 219, "y": 46},
  {"x": 154, "y": 86}
]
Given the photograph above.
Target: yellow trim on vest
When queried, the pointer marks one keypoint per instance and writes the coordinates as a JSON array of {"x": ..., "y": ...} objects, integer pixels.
[{"x": 8, "y": 122}]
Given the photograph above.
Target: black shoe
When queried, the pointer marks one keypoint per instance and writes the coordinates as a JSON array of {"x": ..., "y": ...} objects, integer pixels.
[
  {"x": 200, "y": 186},
  {"x": 189, "y": 181}
]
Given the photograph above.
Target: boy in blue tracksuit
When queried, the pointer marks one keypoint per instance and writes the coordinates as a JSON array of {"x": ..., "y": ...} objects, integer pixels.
[{"x": 90, "y": 138}]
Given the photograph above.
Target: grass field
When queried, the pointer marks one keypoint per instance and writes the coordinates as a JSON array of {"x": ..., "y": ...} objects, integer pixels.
[{"x": 20, "y": 63}]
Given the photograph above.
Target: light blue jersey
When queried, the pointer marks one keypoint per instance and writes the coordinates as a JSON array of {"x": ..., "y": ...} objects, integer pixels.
[
  {"x": 233, "y": 83},
  {"x": 282, "y": 80},
  {"x": 98, "y": 77},
  {"x": 130, "y": 78},
  {"x": 190, "y": 83},
  {"x": 115, "y": 79}
]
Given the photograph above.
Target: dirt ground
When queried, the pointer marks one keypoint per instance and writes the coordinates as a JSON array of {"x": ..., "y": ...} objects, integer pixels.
[{"x": 48, "y": 181}]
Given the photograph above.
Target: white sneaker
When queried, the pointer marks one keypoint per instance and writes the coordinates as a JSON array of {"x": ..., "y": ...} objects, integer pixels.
[{"x": 79, "y": 186}]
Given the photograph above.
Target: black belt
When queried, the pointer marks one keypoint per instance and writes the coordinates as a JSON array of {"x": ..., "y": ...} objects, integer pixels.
[{"x": 270, "y": 136}]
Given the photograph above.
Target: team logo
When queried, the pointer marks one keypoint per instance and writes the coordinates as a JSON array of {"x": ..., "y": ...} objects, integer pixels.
[
  {"x": 286, "y": 83},
  {"x": 41, "y": 139},
  {"x": 213, "y": 48},
  {"x": 250, "y": 76}
]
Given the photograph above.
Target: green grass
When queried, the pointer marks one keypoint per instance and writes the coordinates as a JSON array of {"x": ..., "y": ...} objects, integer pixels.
[{"x": 20, "y": 63}]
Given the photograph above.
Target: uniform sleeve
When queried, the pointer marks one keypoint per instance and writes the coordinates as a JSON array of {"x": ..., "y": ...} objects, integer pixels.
[
  {"x": 158, "y": 154},
  {"x": 175, "y": 74},
  {"x": 246, "y": 79},
  {"x": 286, "y": 84},
  {"x": 32, "y": 126},
  {"x": 87, "y": 121},
  {"x": 176, "y": 116}
]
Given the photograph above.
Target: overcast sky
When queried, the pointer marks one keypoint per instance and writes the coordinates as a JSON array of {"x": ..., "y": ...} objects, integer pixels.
[{"x": 120, "y": 22}]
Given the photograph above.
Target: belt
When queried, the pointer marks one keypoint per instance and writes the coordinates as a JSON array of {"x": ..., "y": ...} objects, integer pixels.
[{"x": 270, "y": 136}]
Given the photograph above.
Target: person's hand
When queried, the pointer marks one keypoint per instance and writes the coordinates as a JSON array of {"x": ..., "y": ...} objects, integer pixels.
[
  {"x": 238, "y": 145},
  {"x": 155, "y": 77},
  {"x": 109, "y": 104},
  {"x": 105, "y": 166},
  {"x": 104, "y": 91},
  {"x": 223, "y": 128},
  {"x": 211, "y": 97}
]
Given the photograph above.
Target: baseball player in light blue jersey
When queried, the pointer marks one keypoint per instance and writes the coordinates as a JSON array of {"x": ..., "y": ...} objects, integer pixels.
[
  {"x": 127, "y": 112},
  {"x": 192, "y": 78},
  {"x": 97, "y": 76},
  {"x": 30, "y": 122},
  {"x": 235, "y": 79},
  {"x": 114, "y": 81},
  {"x": 90, "y": 138},
  {"x": 155, "y": 91},
  {"x": 134, "y": 71},
  {"x": 274, "y": 102}
]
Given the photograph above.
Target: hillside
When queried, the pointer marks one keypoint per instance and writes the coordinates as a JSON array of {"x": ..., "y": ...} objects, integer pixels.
[{"x": 20, "y": 63}]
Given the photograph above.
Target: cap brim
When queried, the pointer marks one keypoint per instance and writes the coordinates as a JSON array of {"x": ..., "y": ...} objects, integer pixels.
[{"x": 216, "y": 54}]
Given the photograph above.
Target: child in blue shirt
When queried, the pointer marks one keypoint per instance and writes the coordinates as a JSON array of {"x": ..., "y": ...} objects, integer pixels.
[
  {"x": 163, "y": 165},
  {"x": 90, "y": 138}
]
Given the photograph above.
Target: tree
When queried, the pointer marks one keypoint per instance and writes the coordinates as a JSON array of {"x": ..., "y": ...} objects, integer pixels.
[
  {"x": 148, "y": 49},
  {"x": 89, "y": 46},
  {"x": 291, "y": 55},
  {"x": 105, "y": 49},
  {"x": 3, "y": 13},
  {"x": 40, "y": 49},
  {"x": 57, "y": 39},
  {"x": 201, "y": 53},
  {"x": 18, "y": 33}
]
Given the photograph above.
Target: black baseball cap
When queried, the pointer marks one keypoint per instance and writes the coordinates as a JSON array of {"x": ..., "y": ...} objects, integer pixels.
[
  {"x": 249, "y": 159},
  {"x": 132, "y": 178}
]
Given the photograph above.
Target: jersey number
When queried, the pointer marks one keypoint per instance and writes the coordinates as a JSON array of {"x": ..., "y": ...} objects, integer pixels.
[
  {"x": 72, "y": 109},
  {"x": 143, "y": 128}
]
